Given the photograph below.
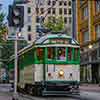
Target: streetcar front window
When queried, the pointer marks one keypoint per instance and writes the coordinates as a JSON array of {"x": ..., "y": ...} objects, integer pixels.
[
  {"x": 76, "y": 52},
  {"x": 61, "y": 55},
  {"x": 69, "y": 54},
  {"x": 51, "y": 53}
]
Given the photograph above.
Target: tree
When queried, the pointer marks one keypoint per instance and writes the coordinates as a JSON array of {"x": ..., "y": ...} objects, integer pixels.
[
  {"x": 3, "y": 28},
  {"x": 56, "y": 24},
  {"x": 7, "y": 46}
]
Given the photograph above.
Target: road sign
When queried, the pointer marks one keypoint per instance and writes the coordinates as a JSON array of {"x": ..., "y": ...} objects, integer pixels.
[{"x": 14, "y": 38}]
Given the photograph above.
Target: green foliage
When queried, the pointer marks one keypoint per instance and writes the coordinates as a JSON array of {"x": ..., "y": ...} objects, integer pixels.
[
  {"x": 7, "y": 46},
  {"x": 3, "y": 27},
  {"x": 56, "y": 24}
]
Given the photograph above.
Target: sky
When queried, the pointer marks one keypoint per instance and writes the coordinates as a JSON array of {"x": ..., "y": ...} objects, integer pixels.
[{"x": 5, "y": 4}]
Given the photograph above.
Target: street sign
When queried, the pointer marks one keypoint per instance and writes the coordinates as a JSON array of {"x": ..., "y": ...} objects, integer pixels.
[{"x": 14, "y": 38}]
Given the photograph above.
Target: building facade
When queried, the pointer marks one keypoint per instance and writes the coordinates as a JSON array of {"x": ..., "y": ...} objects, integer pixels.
[
  {"x": 44, "y": 9},
  {"x": 88, "y": 35}
]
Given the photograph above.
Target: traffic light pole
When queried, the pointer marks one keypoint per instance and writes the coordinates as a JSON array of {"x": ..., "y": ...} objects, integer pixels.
[{"x": 15, "y": 97}]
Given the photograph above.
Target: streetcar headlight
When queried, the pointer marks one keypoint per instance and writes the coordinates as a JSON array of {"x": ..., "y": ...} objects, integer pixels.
[{"x": 61, "y": 73}]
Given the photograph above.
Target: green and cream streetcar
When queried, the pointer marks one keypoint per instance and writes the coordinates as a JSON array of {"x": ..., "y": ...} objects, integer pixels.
[{"x": 49, "y": 66}]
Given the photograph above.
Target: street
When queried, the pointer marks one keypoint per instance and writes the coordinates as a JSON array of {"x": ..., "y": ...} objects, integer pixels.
[
  {"x": 50, "y": 47},
  {"x": 83, "y": 96}
]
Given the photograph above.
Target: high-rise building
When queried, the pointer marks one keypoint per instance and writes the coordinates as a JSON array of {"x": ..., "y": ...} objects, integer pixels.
[
  {"x": 88, "y": 35},
  {"x": 44, "y": 8}
]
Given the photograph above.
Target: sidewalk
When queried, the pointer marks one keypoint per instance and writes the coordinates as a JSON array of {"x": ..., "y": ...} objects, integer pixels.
[{"x": 90, "y": 87}]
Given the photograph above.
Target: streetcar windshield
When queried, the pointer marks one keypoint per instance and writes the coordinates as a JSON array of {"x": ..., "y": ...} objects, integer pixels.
[
  {"x": 51, "y": 53},
  {"x": 61, "y": 53}
]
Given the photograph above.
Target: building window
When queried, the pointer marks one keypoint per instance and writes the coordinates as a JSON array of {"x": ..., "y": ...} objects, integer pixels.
[
  {"x": 49, "y": 10},
  {"x": 70, "y": 11},
  {"x": 29, "y": 10},
  {"x": 37, "y": 19},
  {"x": 65, "y": 20},
  {"x": 49, "y": 2},
  {"x": 37, "y": 10},
  {"x": 41, "y": 2},
  {"x": 97, "y": 30},
  {"x": 85, "y": 12},
  {"x": 60, "y": 11},
  {"x": 29, "y": 37},
  {"x": 65, "y": 3},
  {"x": 70, "y": 20},
  {"x": 97, "y": 5},
  {"x": 60, "y": 3},
  {"x": 65, "y": 11},
  {"x": 29, "y": 28},
  {"x": 42, "y": 10},
  {"x": 53, "y": 10},
  {"x": 29, "y": 19},
  {"x": 69, "y": 3},
  {"x": 53, "y": 3},
  {"x": 85, "y": 36}
]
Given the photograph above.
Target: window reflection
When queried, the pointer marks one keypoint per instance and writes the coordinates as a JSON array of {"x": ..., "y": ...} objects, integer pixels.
[
  {"x": 51, "y": 53},
  {"x": 61, "y": 53}
]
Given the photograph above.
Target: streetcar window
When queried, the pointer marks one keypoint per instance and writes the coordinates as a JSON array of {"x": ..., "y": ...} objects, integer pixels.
[
  {"x": 51, "y": 53},
  {"x": 69, "y": 53},
  {"x": 61, "y": 55},
  {"x": 39, "y": 53},
  {"x": 76, "y": 51}
]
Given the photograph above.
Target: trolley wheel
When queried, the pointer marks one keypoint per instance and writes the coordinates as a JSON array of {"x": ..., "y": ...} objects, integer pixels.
[{"x": 39, "y": 91}]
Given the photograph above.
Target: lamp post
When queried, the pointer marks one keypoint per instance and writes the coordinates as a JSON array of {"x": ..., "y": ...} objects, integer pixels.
[{"x": 90, "y": 46}]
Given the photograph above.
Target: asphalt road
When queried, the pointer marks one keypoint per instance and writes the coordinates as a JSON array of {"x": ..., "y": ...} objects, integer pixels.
[{"x": 83, "y": 96}]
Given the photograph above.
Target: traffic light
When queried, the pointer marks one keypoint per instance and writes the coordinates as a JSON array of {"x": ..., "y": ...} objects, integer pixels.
[{"x": 16, "y": 16}]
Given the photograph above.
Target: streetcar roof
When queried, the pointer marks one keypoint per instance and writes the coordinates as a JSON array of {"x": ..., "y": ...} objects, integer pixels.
[{"x": 44, "y": 39}]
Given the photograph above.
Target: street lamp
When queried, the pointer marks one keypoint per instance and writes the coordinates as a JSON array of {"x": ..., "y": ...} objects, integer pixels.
[{"x": 19, "y": 34}]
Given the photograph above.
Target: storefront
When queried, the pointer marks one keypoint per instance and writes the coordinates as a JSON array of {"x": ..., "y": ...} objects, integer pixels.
[{"x": 90, "y": 64}]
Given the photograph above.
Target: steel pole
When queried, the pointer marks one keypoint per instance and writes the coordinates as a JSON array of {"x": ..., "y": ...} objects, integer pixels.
[
  {"x": 15, "y": 76},
  {"x": 15, "y": 70}
]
